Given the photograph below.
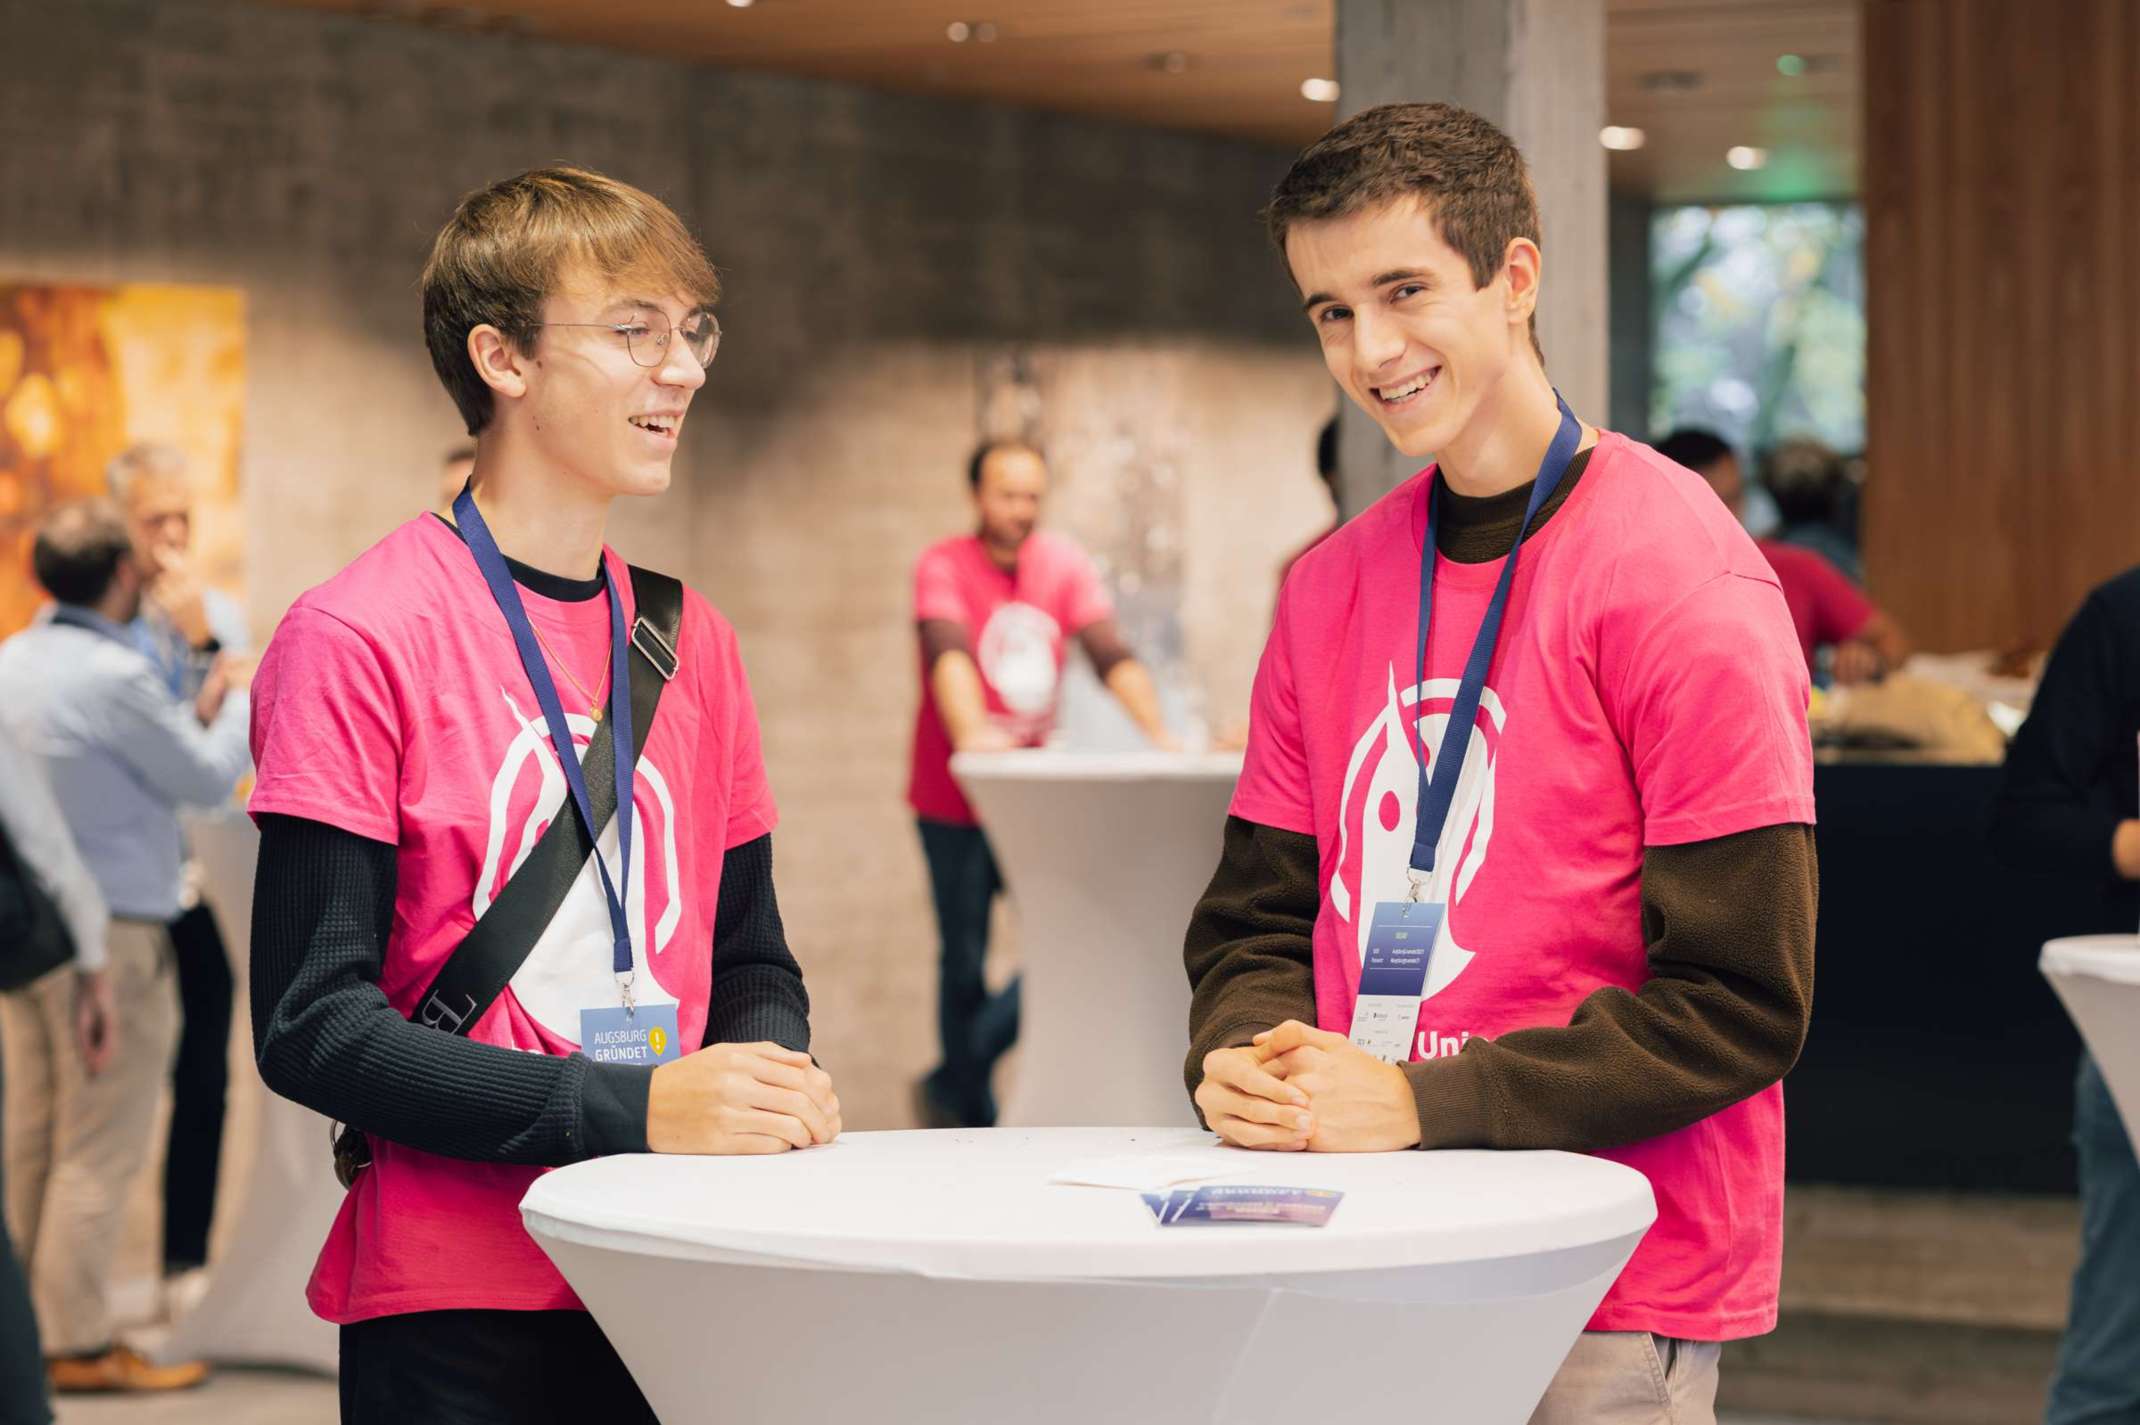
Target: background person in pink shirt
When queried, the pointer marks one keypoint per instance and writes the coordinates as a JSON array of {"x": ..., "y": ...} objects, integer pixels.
[
  {"x": 1827, "y": 609},
  {"x": 994, "y": 611},
  {"x": 1623, "y": 963}
]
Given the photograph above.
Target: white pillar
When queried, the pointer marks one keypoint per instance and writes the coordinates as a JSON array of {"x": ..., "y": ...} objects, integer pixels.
[{"x": 1536, "y": 68}]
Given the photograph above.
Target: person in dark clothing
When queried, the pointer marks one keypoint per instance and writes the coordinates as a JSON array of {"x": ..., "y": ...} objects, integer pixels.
[
  {"x": 417, "y": 723},
  {"x": 2069, "y": 804}
]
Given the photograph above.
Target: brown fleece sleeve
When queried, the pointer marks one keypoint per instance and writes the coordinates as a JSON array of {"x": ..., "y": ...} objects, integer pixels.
[
  {"x": 1729, "y": 928},
  {"x": 1249, "y": 950}
]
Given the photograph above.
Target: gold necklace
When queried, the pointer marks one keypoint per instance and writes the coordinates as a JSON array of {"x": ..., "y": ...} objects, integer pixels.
[{"x": 594, "y": 703}]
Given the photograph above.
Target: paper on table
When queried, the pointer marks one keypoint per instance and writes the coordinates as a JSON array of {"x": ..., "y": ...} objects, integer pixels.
[{"x": 1140, "y": 1170}]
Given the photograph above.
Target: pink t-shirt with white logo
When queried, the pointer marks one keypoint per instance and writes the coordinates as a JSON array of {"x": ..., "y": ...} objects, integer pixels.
[
  {"x": 1017, "y": 623},
  {"x": 392, "y": 703},
  {"x": 1647, "y": 691}
]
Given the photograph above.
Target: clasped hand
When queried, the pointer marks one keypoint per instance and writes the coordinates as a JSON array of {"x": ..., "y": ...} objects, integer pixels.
[
  {"x": 740, "y": 1098},
  {"x": 1298, "y": 1088}
]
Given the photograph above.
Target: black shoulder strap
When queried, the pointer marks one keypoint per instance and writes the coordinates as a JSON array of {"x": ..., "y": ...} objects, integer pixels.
[{"x": 493, "y": 950}]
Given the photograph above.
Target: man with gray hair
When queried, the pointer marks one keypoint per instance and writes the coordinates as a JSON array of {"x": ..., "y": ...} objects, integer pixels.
[
  {"x": 123, "y": 755},
  {"x": 185, "y": 626}
]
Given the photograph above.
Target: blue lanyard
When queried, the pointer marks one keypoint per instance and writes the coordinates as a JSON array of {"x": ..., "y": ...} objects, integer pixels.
[
  {"x": 1436, "y": 793},
  {"x": 502, "y": 588}
]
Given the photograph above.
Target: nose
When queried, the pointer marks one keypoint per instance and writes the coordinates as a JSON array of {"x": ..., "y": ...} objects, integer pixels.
[
  {"x": 679, "y": 367},
  {"x": 1377, "y": 340}
]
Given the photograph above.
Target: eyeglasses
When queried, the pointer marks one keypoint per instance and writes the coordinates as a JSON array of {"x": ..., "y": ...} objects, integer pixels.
[{"x": 646, "y": 336}]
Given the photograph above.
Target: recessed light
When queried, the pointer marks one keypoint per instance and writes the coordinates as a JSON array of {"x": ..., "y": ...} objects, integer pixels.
[
  {"x": 1171, "y": 61},
  {"x": 1790, "y": 66},
  {"x": 1746, "y": 158},
  {"x": 1622, "y": 140},
  {"x": 958, "y": 32},
  {"x": 1320, "y": 91},
  {"x": 741, "y": 4}
]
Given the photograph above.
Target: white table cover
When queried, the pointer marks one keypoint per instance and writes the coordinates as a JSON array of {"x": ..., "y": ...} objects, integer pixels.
[
  {"x": 282, "y": 1195},
  {"x": 2098, "y": 978},
  {"x": 1105, "y": 856},
  {"x": 942, "y": 1277}
]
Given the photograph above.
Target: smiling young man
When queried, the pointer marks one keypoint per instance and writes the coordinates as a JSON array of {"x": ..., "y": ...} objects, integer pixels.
[
  {"x": 1610, "y": 863},
  {"x": 412, "y": 720}
]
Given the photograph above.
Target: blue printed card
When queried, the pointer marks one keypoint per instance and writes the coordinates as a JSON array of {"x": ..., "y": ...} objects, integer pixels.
[
  {"x": 645, "y": 1034},
  {"x": 1233, "y": 1202}
]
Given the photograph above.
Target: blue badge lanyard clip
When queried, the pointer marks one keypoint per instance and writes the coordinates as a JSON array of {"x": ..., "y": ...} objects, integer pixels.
[
  {"x": 1436, "y": 793},
  {"x": 500, "y": 579}
]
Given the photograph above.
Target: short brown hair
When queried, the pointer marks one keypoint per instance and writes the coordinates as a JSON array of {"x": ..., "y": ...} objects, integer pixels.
[
  {"x": 501, "y": 253},
  {"x": 78, "y": 550},
  {"x": 1469, "y": 175}
]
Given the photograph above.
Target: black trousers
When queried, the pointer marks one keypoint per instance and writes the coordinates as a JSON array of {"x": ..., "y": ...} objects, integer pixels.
[
  {"x": 22, "y": 1360},
  {"x": 977, "y": 1027},
  {"x": 200, "y": 1081},
  {"x": 486, "y": 1368}
]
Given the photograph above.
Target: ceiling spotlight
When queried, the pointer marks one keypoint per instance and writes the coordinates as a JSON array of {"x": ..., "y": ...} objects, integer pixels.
[
  {"x": 741, "y": 4},
  {"x": 958, "y": 32},
  {"x": 1747, "y": 159},
  {"x": 1320, "y": 91},
  {"x": 1790, "y": 66},
  {"x": 1621, "y": 140},
  {"x": 1172, "y": 61}
]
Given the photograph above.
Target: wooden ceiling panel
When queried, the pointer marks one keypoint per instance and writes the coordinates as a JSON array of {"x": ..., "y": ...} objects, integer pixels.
[{"x": 1241, "y": 63}]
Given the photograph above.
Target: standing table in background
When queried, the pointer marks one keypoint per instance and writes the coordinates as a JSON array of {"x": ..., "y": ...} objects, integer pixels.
[
  {"x": 941, "y": 1277},
  {"x": 1105, "y": 856},
  {"x": 281, "y": 1195},
  {"x": 2098, "y": 978}
]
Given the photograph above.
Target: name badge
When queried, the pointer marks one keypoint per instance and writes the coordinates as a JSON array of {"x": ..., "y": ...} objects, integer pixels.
[
  {"x": 1393, "y": 980},
  {"x": 645, "y": 1034}
]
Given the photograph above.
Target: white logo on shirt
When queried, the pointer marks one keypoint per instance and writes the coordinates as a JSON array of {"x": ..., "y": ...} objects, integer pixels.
[
  {"x": 1381, "y": 800},
  {"x": 1017, "y": 657},
  {"x": 570, "y": 967}
]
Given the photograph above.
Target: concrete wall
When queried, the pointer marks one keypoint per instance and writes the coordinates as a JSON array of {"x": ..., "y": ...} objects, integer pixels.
[{"x": 881, "y": 256}]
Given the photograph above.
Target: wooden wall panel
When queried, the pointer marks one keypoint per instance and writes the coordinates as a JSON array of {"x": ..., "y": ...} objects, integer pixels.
[{"x": 2002, "y": 194}]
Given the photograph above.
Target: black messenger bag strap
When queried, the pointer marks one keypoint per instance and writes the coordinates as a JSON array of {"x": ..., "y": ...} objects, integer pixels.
[{"x": 496, "y": 946}]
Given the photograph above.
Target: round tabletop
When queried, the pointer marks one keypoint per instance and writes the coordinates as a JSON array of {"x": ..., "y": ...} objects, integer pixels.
[
  {"x": 1041, "y": 764},
  {"x": 979, "y": 1205},
  {"x": 2102, "y": 957}
]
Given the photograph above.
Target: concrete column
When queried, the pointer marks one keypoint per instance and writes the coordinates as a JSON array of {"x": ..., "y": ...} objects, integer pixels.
[{"x": 1537, "y": 69}]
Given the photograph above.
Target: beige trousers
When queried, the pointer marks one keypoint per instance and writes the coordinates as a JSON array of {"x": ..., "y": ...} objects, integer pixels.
[
  {"x": 1633, "y": 1378},
  {"x": 75, "y": 1144}
]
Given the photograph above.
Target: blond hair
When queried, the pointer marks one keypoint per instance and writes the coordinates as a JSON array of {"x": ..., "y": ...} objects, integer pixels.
[{"x": 502, "y": 252}]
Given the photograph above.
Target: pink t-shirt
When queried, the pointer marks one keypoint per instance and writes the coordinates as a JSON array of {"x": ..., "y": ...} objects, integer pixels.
[
  {"x": 1018, "y": 623},
  {"x": 1826, "y": 608},
  {"x": 1646, "y": 691},
  {"x": 392, "y": 703}
]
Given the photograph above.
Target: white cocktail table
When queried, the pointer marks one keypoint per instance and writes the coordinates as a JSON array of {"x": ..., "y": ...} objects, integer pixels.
[
  {"x": 2098, "y": 979},
  {"x": 1105, "y": 856},
  {"x": 941, "y": 1278}
]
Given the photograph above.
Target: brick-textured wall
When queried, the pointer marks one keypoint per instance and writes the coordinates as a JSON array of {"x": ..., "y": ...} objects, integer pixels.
[{"x": 878, "y": 251}]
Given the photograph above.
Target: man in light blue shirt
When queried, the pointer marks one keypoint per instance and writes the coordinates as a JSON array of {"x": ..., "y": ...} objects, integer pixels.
[
  {"x": 122, "y": 755},
  {"x": 186, "y": 627}
]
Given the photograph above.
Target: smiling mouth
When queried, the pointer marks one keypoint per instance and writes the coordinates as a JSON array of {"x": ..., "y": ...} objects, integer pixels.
[
  {"x": 1409, "y": 390},
  {"x": 664, "y": 425}
]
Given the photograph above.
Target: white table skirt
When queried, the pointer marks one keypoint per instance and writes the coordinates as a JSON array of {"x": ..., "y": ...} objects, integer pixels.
[
  {"x": 1104, "y": 856},
  {"x": 2098, "y": 979},
  {"x": 940, "y": 1277},
  {"x": 282, "y": 1195}
]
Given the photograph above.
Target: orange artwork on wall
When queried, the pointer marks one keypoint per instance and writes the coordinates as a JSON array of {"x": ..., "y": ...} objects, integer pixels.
[{"x": 86, "y": 372}]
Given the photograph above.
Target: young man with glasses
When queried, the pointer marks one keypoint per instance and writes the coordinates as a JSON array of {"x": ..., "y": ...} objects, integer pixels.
[
  {"x": 1540, "y": 710},
  {"x": 407, "y": 732}
]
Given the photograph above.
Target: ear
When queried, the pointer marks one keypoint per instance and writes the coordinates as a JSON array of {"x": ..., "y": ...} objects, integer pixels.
[
  {"x": 1523, "y": 266},
  {"x": 499, "y": 363}
]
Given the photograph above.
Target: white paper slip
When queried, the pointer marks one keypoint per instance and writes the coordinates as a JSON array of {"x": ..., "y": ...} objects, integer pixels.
[{"x": 1140, "y": 1170}]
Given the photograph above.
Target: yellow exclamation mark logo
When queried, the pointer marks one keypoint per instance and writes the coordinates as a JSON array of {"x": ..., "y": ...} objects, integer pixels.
[{"x": 656, "y": 1040}]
